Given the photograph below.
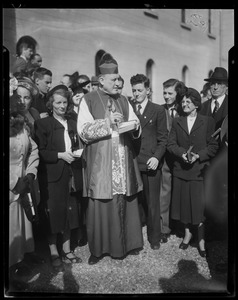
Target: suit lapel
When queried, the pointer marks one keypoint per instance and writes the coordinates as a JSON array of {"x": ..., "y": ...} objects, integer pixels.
[
  {"x": 198, "y": 123},
  {"x": 221, "y": 111},
  {"x": 182, "y": 122},
  {"x": 147, "y": 114}
]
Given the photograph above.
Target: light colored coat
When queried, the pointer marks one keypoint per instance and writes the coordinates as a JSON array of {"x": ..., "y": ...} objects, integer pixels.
[{"x": 24, "y": 159}]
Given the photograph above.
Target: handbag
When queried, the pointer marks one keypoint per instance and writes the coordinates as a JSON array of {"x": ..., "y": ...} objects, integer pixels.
[{"x": 29, "y": 204}]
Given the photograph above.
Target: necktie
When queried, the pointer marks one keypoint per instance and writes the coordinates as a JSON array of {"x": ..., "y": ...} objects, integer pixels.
[
  {"x": 216, "y": 107},
  {"x": 138, "y": 110},
  {"x": 172, "y": 112}
]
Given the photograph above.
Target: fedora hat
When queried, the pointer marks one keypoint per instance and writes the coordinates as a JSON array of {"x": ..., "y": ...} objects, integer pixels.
[
  {"x": 94, "y": 80},
  {"x": 219, "y": 74}
]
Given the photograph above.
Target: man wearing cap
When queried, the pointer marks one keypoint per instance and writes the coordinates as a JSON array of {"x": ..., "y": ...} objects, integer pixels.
[
  {"x": 111, "y": 175},
  {"x": 217, "y": 106}
]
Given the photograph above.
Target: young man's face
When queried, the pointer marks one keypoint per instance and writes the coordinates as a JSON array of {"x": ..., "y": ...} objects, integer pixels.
[
  {"x": 140, "y": 92},
  {"x": 169, "y": 95},
  {"x": 44, "y": 84},
  {"x": 36, "y": 61},
  {"x": 27, "y": 52}
]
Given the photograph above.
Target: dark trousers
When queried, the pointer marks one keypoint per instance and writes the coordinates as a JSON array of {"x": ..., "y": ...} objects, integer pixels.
[
  {"x": 150, "y": 201},
  {"x": 165, "y": 198}
]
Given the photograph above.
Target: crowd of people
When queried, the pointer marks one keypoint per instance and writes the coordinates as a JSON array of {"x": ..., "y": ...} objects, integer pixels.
[{"x": 70, "y": 158}]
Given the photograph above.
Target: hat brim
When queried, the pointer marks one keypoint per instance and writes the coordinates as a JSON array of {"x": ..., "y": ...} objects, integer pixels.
[
  {"x": 56, "y": 88},
  {"x": 216, "y": 79}
]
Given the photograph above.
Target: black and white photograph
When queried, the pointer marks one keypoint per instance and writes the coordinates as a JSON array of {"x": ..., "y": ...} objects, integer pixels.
[{"x": 116, "y": 151}]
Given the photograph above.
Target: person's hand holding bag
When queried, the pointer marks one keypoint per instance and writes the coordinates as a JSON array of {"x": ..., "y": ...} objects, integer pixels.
[{"x": 23, "y": 184}]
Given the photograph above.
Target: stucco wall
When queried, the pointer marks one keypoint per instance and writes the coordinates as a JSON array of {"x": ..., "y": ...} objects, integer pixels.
[{"x": 70, "y": 38}]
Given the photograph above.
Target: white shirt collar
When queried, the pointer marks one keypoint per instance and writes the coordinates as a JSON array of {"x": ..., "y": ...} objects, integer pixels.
[
  {"x": 220, "y": 99},
  {"x": 143, "y": 105}
]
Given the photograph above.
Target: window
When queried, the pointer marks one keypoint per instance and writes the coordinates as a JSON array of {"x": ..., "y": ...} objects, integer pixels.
[
  {"x": 209, "y": 29},
  {"x": 185, "y": 75},
  {"x": 183, "y": 20},
  {"x": 151, "y": 13},
  {"x": 149, "y": 73},
  {"x": 183, "y": 15},
  {"x": 98, "y": 57},
  {"x": 209, "y": 21}
]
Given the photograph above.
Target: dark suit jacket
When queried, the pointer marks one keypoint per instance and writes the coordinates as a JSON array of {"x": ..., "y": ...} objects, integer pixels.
[
  {"x": 168, "y": 157},
  {"x": 49, "y": 135},
  {"x": 19, "y": 65},
  {"x": 220, "y": 114},
  {"x": 168, "y": 117},
  {"x": 39, "y": 103},
  {"x": 203, "y": 144},
  {"x": 153, "y": 140}
]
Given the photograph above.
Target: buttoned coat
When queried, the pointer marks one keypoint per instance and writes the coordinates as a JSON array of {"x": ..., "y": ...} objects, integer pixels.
[
  {"x": 153, "y": 140},
  {"x": 203, "y": 144},
  {"x": 55, "y": 174},
  {"x": 50, "y": 139},
  {"x": 24, "y": 159}
]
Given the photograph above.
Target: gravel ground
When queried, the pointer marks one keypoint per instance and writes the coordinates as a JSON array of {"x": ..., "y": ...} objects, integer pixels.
[{"x": 167, "y": 270}]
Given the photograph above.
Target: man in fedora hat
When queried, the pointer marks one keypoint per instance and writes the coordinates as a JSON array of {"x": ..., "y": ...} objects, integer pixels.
[
  {"x": 111, "y": 175},
  {"x": 94, "y": 83},
  {"x": 217, "y": 106}
]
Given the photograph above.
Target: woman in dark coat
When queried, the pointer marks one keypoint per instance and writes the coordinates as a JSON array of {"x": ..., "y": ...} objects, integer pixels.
[
  {"x": 54, "y": 136},
  {"x": 191, "y": 144},
  {"x": 81, "y": 236}
]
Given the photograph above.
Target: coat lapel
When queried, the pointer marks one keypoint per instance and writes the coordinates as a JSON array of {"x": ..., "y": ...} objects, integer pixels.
[
  {"x": 182, "y": 122},
  {"x": 147, "y": 114},
  {"x": 198, "y": 123}
]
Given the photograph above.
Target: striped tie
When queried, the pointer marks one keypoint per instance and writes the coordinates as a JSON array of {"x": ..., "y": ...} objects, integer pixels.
[
  {"x": 138, "y": 110},
  {"x": 216, "y": 107}
]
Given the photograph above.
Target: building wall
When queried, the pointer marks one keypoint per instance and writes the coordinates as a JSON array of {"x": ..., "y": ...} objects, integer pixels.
[{"x": 70, "y": 38}]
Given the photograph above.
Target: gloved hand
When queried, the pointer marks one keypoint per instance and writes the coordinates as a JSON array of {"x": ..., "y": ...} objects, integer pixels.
[
  {"x": 30, "y": 177},
  {"x": 23, "y": 184}
]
